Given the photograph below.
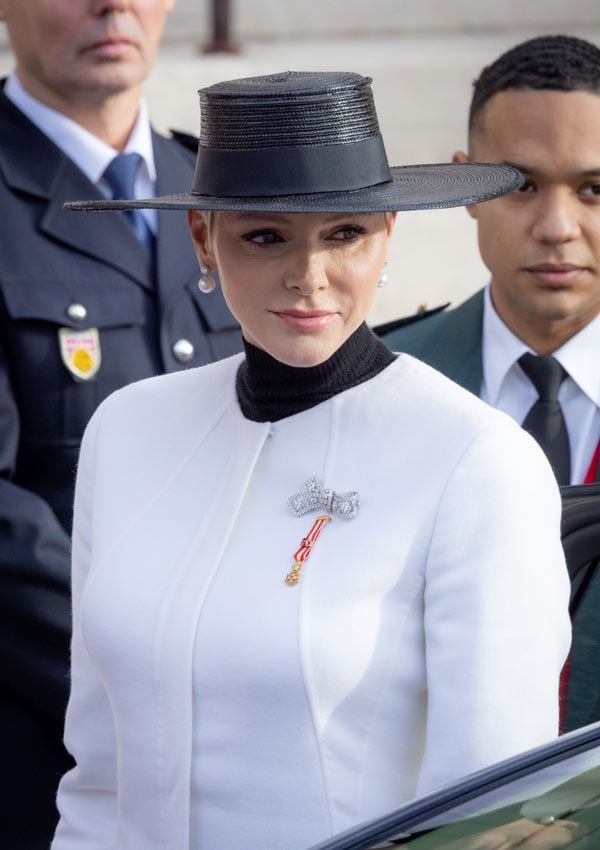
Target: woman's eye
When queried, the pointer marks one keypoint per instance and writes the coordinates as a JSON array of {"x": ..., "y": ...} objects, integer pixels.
[
  {"x": 592, "y": 190},
  {"x": 345, "y": 234},
  {"x": 263, "y": 237}
]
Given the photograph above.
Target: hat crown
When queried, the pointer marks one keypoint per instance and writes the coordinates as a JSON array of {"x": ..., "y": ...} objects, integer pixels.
[{"x": 291, "y": 109}]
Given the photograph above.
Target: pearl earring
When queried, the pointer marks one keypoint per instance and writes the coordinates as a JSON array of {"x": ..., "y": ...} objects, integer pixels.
[
  {"x": 207, "y": 283},
  {"x": 383, "y": 277}
]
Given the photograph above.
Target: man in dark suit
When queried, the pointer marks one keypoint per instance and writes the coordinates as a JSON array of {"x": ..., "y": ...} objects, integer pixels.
[
  {"x": 88, "y": 303},
  {"x": 532, "y": 337}
]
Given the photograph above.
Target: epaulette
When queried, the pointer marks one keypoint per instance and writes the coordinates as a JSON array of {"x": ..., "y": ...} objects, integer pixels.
[
  {"x": 388, "y": 327},
  {"x": 188, "y": 140}
]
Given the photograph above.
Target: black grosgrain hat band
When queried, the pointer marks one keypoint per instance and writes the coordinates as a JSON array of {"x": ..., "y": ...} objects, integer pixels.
[
  {"x": 309, "y": 142},
  {"x": 291, "y": 171}
]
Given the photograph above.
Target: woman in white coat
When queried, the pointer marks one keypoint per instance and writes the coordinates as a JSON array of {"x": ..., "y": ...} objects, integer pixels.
[{"x": 314, "y": 581}]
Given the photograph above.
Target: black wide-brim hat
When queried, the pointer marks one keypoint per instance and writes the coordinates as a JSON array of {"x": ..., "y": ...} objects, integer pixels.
[{"x": 302, "y": 142}]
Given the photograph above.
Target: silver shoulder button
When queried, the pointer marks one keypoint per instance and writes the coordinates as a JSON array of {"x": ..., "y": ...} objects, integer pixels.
[{"x": 183, "y": 350}]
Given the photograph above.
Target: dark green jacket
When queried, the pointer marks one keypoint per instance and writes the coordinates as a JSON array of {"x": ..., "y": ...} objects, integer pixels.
[{"x": 449, "y": 341}]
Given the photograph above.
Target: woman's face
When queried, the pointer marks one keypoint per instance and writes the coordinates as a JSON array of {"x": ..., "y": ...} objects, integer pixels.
[{"x": 299, "y": 284}]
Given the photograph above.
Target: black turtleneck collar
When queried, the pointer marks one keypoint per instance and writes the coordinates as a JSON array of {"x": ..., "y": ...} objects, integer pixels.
[{"x": 268, "y": 390}]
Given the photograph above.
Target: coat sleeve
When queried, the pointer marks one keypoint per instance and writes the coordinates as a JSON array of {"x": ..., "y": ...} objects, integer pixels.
[
  {"x": 87, "y": 795},
  {"x": 35, "y": 607},
  {"x": 497, "y": 629}
]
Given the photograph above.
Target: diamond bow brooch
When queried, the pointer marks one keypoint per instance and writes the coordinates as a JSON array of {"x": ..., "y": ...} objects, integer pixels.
[{"x": 314, "y": 497}]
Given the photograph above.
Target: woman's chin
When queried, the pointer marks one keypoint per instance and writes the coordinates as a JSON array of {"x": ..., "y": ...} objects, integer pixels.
[{"x": 304, "y": 354}]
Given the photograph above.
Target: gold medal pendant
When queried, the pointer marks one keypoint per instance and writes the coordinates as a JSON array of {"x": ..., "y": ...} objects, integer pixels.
[
  {"x": 293, "y": 577},
  {"x": 303, "y": 552}
]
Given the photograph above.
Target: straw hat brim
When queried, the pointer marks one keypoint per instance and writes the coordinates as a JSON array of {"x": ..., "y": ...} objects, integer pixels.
[{"x": 412, "y": 187}]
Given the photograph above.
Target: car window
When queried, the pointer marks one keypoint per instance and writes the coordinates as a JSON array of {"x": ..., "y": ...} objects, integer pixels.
[{"x": 556, "y": 807}]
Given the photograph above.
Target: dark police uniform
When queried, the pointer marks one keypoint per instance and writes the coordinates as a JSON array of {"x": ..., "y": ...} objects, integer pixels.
[{"x": 71, "y": 286}]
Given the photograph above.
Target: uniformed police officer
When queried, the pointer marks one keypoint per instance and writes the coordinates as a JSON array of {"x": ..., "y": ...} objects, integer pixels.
[{"x": 87, "y": 304}]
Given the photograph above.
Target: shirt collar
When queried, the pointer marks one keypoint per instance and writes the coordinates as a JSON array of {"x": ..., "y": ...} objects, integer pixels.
[
  {"x": 90, "y": 154},
  {"x": 502, "y": 349},
  {"x": 579, "y": 356}
]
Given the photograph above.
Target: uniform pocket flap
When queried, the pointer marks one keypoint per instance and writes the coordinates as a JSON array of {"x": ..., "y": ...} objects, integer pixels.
[{"x": 76, "y": 304}]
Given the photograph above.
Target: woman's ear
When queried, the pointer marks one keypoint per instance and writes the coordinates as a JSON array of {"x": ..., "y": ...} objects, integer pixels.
[
  {"x": 198, "y": 222},
  {"x": 390, "y": 221}
]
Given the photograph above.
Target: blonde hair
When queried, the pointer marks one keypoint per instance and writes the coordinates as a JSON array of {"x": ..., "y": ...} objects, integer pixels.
[{"x": 209, "y": 219}]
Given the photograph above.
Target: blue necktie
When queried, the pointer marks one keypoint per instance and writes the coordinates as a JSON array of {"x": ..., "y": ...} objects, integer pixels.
[
  {"x": 545, "y": 421},
  {"x": 120, "y": 175}
]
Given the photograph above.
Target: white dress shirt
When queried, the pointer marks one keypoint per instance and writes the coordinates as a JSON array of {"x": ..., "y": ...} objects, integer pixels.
[
  {"x": 506, "y": 386},
  {"x": 89, "y": 153}
]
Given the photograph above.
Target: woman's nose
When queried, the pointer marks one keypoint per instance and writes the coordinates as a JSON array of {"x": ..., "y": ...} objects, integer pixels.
[{"x": 307, "y": 273}]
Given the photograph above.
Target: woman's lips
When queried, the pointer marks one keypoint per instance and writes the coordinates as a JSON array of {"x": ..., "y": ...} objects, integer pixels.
[
  {"x": 556, "y": 274},
  {"x": 304, "y": 320}
]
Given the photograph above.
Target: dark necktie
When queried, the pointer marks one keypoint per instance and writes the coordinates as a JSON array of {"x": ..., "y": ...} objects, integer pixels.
[
  {"x": 545, "y": 421},
  {"x": 120, "y": 175}
]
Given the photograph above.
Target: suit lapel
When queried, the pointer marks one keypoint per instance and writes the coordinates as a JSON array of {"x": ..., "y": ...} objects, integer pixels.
[
  {"x": 35, "y": 166},
  {"x": 105, "y": 236},
  {"x": 457, "y": 349},
  {"x": 175, "y": 258}
]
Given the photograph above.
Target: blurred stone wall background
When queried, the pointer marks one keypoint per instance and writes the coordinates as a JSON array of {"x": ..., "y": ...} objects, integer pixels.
[
  {"x": 422, "y": 55},
  {"x": 335, "y": 18}
]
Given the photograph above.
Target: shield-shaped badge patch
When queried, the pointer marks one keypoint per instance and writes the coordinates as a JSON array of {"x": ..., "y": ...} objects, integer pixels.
[{"x": 80, "y": 352}]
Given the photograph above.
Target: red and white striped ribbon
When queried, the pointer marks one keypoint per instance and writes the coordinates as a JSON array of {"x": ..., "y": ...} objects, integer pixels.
[{"x": 303, "y": 552}]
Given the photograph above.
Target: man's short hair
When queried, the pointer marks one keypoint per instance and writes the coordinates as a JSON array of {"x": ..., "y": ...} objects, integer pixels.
[{"x": 551, "y": 62}]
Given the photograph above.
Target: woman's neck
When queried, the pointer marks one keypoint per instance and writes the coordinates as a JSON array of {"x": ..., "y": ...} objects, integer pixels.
[{"x": 268, "y": 390}]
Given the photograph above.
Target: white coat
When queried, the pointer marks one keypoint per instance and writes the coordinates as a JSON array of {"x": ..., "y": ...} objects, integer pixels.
[{"x": 438, "y": 614}]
